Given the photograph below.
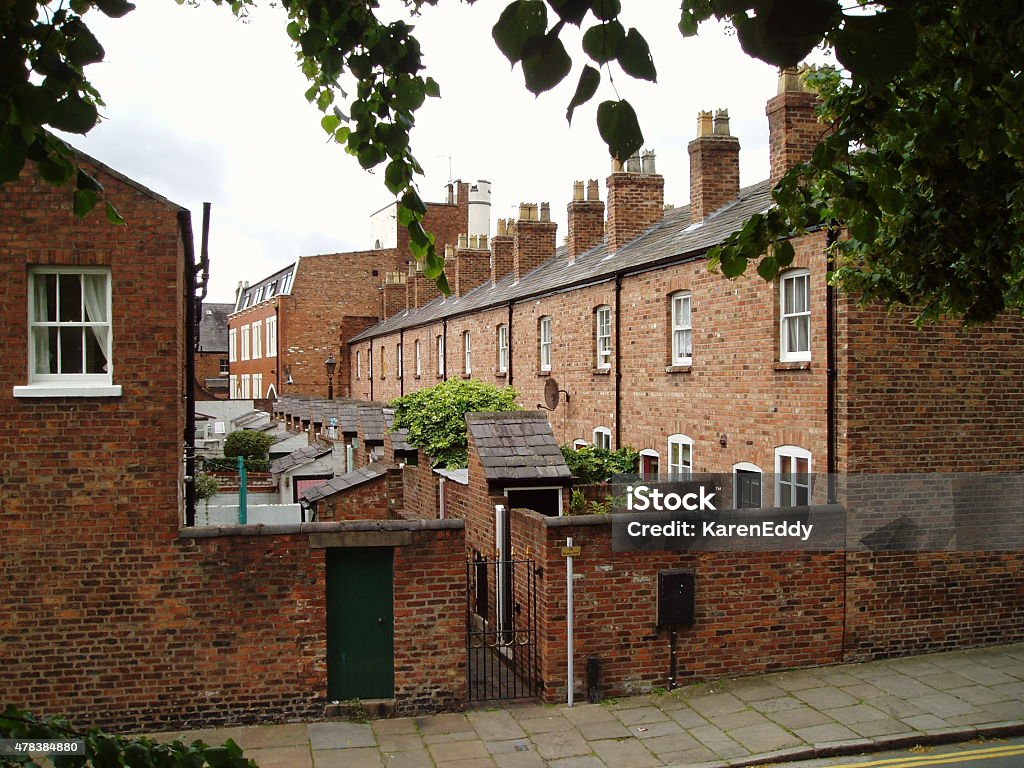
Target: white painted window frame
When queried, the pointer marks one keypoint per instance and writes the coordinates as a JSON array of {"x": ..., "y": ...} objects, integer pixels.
[
  {"x": 682, "y": 327},
  {"x": 603, "y": 331},
  {"x": 785, "y": 492},
  {"x": 245, "y": 348},
  {"x": 745, "y": 466},
  {"x": 467, "y": 351},
  {"x": 419, "y": 357},
  {"x": 544, "y": 334},
  {"x": 503, "y": 348},
  {"x": 603, "y": 438},
  {"x": 257, "y": 340},
  {"x": 271, "y": 350},
  {"x": 679, "y": 470},
  {"x": 789, "y": 316}
]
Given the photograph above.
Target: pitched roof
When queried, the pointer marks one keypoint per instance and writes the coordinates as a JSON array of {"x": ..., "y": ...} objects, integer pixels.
[
  {"x": 518, "y": 445},
  {"x": 671, "y": 239},
  {"x": 371, "y": 422},
  {"x": 399, "y": 437},
  {"x": 213, "y": 327},
  {"x": 346, "y": 481},
  {"x": 298, "y": 458}
]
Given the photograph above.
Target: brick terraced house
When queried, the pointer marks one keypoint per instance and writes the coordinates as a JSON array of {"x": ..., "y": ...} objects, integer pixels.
[{"x": 283, "y": 327}]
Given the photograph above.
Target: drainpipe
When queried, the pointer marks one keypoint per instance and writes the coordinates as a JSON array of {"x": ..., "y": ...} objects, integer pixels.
[
  {"x": 618, "y": 369},
  {"x": 401, "y": 365},
  {"x": 371, "y": 371},
  {"x": 509, "y": 379},
  {"x": 444, "y": 335},
  {"x": 830, "y": 393},
  {"x": 569, "y": 620},
  {"x": 185, "y": 232}
]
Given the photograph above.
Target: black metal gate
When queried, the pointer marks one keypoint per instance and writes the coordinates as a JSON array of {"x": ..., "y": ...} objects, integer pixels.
[{"x": 501, "y": 629}]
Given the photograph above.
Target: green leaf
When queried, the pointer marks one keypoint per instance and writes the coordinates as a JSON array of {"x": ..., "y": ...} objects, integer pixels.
[
  {"x": 547, "y": 66},
  {"x": 877, "y": 47},
  {"x": 431, "y": 88},
  {"x": 294, "y": 30},
  {"x": 733, "y": 267},
  {"x": 396, "y": 176},
  {"x": 412, "y": 201},
  {"x": 688, "y": 23},
  {"x": 571, "y": 11},
  {"x": 634, "y": 56},
  {"x": 606, "y": 10},
  {"x": 601, "y": 41},
  {"x": 784, "y": 253},
  {"x": 56, "y": 169},
  {"x": 521, "y": 22},
  {"x": 113, "y": 216},
  {"x": 74, "y": 115},
  {"x": 768, "y": 268},
  {"x": 330, "y": 123},
  {"x": 85, "y": 201},
  {"x": 84, "y": 48},
  {"x": 34, "y": 102},
  {"x": 590, "y": 78},
  {"x": 620, "y": 129},
  {"x": 115, "y": 8},
  {"x": 13, "y": 153},
  {"x": 442, "y": 284}
]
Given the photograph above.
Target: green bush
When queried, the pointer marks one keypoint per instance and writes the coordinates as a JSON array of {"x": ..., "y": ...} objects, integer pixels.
[
  {"x": 595, "y": 465},
  {"x": 248, "y": 443},
  {"x": 231, "y": 465},
  {"x": 206, "y": 486},
  {"x": 436, "y": 416}
]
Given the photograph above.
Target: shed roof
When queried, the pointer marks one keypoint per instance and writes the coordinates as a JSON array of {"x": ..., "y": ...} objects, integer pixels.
[
  {"x": 348, "y": 480},
  {"x": 302, "y": 456},
  {"x": 517, "y": 446}
]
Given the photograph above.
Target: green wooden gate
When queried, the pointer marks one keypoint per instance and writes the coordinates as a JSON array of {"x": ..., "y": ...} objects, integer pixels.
[{"x": 360, "y": 624}]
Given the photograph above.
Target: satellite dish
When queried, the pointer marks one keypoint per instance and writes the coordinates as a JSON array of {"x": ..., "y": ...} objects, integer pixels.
[{"x": 551, "y": 394}]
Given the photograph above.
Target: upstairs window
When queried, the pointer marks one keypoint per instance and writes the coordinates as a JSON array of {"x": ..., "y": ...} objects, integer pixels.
[
  {"x": 544, "y": 333},
  {"x": 271, "y": 337},
  {"x": 399, "y": 367},
  {"x": 359, "y": 364},
  {"x": 245, "y": 342},
  {"x": 257, "y": 340},
  {"x": 467, "y": 350},
  {"x": 502, "y": 348},
  {"x": 419, "y": 358},
  {"x": 232, "y": 344},
  {"x": 70, "y": 339},
  {"x": 682, "y": 329},
  {"x": 603, "y": 438},
  {"x": 603, "y": 323},
  {"x": 440, "y": 355},
  {"x": 795, "y": 321}
]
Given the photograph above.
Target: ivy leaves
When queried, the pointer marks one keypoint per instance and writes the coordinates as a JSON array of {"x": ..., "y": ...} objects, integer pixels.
[
  {"x": 55, "y": 46},
  {"x": 522, "y": 34}
]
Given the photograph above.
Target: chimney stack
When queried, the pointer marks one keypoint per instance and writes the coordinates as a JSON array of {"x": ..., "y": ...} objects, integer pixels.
[
  {"x": 636, "y": 199},
  {"x": 420, "y": 290},
  {"x": 586, "y": 220},
  {"x": 793, "y": 127},
  {"x": 393, "y": 294},
  {"x": 502, "y": 250},
  {"x": 472, "y": 264},
  {"x": 533, "y": 240},
  {"x": 714, "y": 165}
]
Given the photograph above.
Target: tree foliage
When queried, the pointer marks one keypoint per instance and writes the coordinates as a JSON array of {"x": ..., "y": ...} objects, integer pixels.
[
  {"x": 248, "y": 443},
  {"x": 104, "y": 750},
  {"x": 436, "y": 416},
  {"x": 590, "y": 464},
  {"x": 923, "y": 168}
]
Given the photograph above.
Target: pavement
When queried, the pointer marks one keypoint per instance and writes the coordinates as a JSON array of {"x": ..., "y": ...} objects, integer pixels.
[{"x": 802, "y": 714}]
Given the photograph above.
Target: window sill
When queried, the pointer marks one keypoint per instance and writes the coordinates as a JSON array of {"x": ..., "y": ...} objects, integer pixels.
[
  {"x": 543, "y": 373},
  {"x": 501, "y": 375},
  {"x": 416, "y": 376},
  {"x": 678, "y": 369},
  {"x": 601, "y": 371},
  {"x": 466, "y": 375},
  {"x": 793, "y": 365},
  {"x": 80, "y": 389}
]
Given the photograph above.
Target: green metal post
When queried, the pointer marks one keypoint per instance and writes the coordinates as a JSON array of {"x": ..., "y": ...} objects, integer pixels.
[{"x": 243, "y": 482}]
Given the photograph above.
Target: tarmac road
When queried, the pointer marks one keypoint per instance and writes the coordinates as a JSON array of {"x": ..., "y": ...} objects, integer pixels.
[{"x": 1000, "y": 753}]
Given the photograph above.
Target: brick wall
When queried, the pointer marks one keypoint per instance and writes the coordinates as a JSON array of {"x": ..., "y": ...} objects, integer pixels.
[
  {"x": 793, "y": 128},
  {"x": 585, "y": 220},
  {"x": 714, "y": 174},
  {"x": 534, "y": 244},
  {"x": 377, "y": 499},
  {"x": 635, "y": 202}
]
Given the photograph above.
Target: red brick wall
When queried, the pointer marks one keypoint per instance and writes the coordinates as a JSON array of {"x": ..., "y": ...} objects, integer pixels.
[
  {"x": 586, "y": 226},
  {"x": 471, "y": 269},
  {"x": 714, "y": 174},
  {"x": 267, "y": 365},
  {"x": 534, "y": 244},
  {"x": 378, "y": 499},
  {"x": 793, "y": 130},
  {"x": 635, "y": 202}
]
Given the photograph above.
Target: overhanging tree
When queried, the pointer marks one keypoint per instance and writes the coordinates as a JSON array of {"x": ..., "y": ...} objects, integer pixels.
[{"x": 930, "y": 97}]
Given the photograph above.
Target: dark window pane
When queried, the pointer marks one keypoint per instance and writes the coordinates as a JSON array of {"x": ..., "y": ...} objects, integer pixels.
[
  {"x": 71, "y": 350},
  {"x": 45, "y": 298},
  {"x": 95, "y": 361},
  {"x": 70, "y": 299}
]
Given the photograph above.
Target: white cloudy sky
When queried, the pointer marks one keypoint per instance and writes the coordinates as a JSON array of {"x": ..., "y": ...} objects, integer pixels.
[{"x": 202, "y": 107}]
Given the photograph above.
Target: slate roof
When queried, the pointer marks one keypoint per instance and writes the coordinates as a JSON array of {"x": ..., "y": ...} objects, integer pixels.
[
  {"x": 399, "y": 437},
  {"x": 250, "y": 418},
  {"x": 213, "y": 327},
  {"x": 298, "y": 458},
  {"x": 671, "y": 239},
  {"x": 518, "y": 445},
  {"x": 280, "y": 280},
  {"x": 346, "y": 481},
  {"x": 460, "y": 476},
  {"x": 371, "y": 423}
]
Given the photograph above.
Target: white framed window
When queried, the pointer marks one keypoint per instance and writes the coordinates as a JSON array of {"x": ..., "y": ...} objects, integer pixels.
[
  {"x": 502, "y": 348},
  {"x": 259, "y": 295},
  {"x": 603, "y": 323},
  {"x": 419, "y": 358},
  {"x": 246, "y": 386},
  {"x": 245, "y": 342},
  {"x": 257, "y": 385},
  {"x": 271, "y": 289},
  {"x": 544, "y": 333},
  {"x": 680, "y": 457},
  {"x": 795, "y": 319},
  {"x": 271, "y": 336},
  {"x": 398, "y": 361},
  {"x": 383, "y": 362},
  {"x": 440, "y": 355},
  {"x": 70, "y": 346},
  {"x": 225, "y": 366},
  {"x": 232, "y": 345},
  {"x": 369, "y": 362},
  {"x": 234, "y": 393},
  {"x": 746, "y": 485},
  {"x": 682, "y": 328},
  {"x": 650, "y": 463},
  {"x": 359, "y": 364},
  {"x": 603, "y": 438},
  {"x": 578, "y": 443},
  {"x": 257, "y": 340},
  {"x": 467, "y": 351},
  {"x": 793, "y": 468}
]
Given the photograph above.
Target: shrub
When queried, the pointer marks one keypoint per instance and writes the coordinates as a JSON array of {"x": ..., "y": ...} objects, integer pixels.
[
  {"x": 206, "y": 487},
  {"x": 231, "y": 465},
  {"x": 248, "y": 443},
  {"x": 596, "y": 465},
  {"x": 436, "y": 416}
]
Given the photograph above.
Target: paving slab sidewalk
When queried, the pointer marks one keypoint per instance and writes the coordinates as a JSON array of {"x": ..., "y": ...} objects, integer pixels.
[{"x": 842, "y": 709}]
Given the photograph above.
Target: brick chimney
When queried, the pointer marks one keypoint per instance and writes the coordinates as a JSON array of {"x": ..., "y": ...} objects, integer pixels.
[
  {"x": 502, "y": 250},
  {"x": 586, "y": 219},
  {"x": 472, "y": 264},
  {"x": 636, "y": 199},
  {"x": 793, "y": 127},
  {"x": 393, "y": 294},
  {"x": 420, "y": 290},
  {"x": 534, "y": 238},
  {"x": 714, "y": 165}
]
